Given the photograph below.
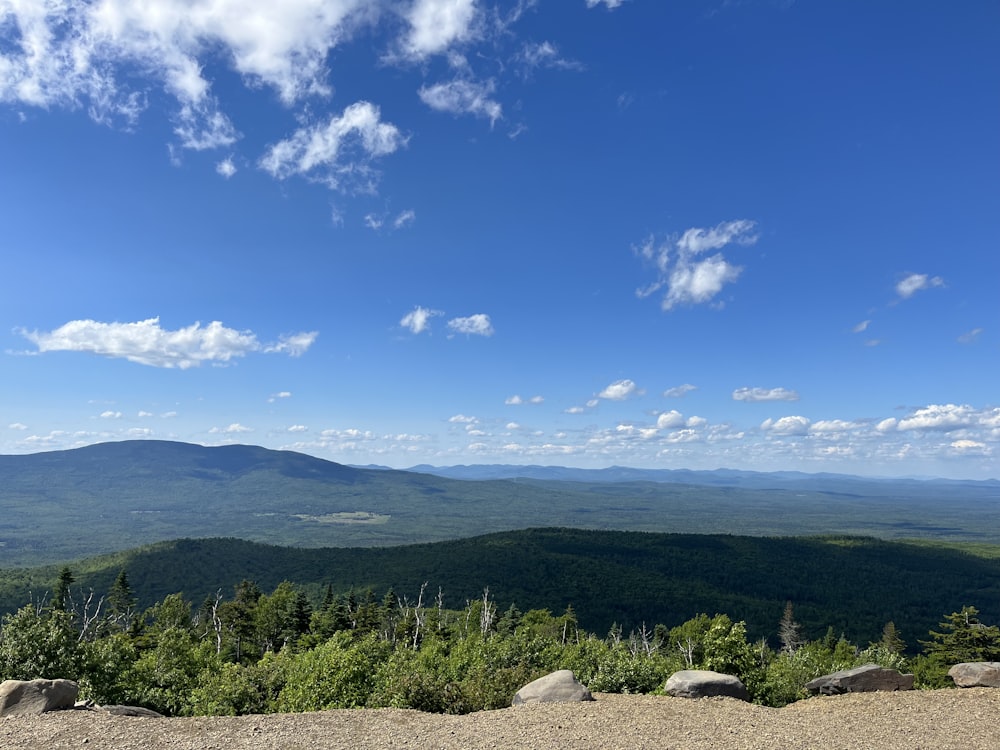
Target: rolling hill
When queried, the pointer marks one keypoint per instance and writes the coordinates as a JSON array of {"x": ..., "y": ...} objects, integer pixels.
[
  {"x": 854, "y": 585},
  {"x": 65, "y": 505}
]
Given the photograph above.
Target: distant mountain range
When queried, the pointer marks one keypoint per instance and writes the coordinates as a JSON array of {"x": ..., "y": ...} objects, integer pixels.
[
  {"x": 712, "y": 478},
  {"x": 64, "y": 505}
]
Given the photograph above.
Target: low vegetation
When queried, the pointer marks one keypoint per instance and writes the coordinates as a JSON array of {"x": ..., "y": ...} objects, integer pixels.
[{"x": 276, "y": 652}]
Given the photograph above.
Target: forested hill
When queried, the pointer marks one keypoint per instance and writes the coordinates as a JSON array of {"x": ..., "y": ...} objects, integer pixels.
[
  {"x": 66, "y": 505},
  {"x": 855, "y": 585}
]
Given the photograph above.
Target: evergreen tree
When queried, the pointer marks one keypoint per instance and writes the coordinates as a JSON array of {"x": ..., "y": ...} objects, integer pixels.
[
  {"x": 963, "y": 638},
  {"x": 121, "y": 603},
  {"x": 60, "y": 595}
]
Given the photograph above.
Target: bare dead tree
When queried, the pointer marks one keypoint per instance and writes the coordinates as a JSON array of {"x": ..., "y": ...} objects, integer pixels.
[
  {"x": 419, "y": 616},
  {"x": 439, "y": 603},
  {"x": 487, "y": 614},
  {"x": 687, "y": 647},
  {"x": 88, "y": 617},
  {"x": 216, "y": 622}
]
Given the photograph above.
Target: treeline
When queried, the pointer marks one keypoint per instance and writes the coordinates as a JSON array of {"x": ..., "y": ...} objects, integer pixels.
[
  {"x": 256, "y": 652},
  {"x": 853, "y": 584}
]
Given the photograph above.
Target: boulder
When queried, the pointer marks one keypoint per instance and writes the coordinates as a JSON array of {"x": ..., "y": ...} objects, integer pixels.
[
  {"x": 868, "y": 678},
  {"x": 702, "y": 683},
  {"x": 976, "y": 674},
  {"x": 23, "y": 697},
  {"x": 557, "y": 687}
]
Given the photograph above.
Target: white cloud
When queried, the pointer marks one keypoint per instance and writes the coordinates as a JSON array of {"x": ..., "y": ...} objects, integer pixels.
[
  {"x": 575, "y": 410},
  {"x": 404, "y": 219},
  {"x": 279, "y": 395},
  {"x": 463, "y": 97},
  {"x": 833, "y": 426},
  {"x": 298, "y": 428},
  {"x": 75, "y": 53},
  {"x": 619, "y": 390},
  {"x": 338, "y": 153},
  {"x": 966, "y": 447},
  {"x": 436, "y": 25},
  {"x": 680, "y": 390},
  {"x": 887, "y": 425},
  {"x": 687, "y": 277},
  {"x": 670, "y": 419},
  {"x": 609, "y": 4},
  {"x": 145, "y": 342},
  {"x": 537, "y": 400},
  {"x": 862, "y": 326},
  {"x": 545, "y": 55},
  {"x": 916, "y": 282},
  {"x": 226, "y": 168},
  {"x": 794, "y": 425},
  {"x": 145, "y": 414},
  {"x": 765, "y": 394},
  {"x": 513, "y": 426},
  {"x": 940, "y": 417},
  {"x": 462, "y": 419},
  {"x": 970, "y": 337},
  {"x": 232, "y": 429},
  {"x": 17, "y": 426},
  {"x": 514, "y": 400},
  {"x": 474, "y": 325},
  {"x": 418, "y": 320}
]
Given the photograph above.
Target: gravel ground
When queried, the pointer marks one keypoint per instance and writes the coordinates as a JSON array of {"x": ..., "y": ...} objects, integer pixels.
[{"x": 968, "y": 719}]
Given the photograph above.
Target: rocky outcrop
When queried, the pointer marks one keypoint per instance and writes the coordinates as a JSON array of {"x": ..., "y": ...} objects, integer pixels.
[
  {"x": 868, "y": 678},
  {"x": 21, "y": 697},
  {"x": 702, "y": 683},
  {"x": 976, "y": 674},
  {"x": 557, "y": 687}
]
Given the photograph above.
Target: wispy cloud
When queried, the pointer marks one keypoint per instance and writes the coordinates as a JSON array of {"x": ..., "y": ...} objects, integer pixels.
[
  {"x": 473, "y": 325},
  {"x": 418, "y": 320},
  {"x": 765, "y": 394},
  {"x": 679, "y": 390},
  {"x": 687, "y": 278},
  {"x": 861, "y": 327},
  {"x": 232, "y": 429},
  {"x": 145, "y": 342},
  {"x": 915, "y": 282},
  {"x": 338, "y": 153},
  {"x": 462, "y": 96},
  {"x": 609, "y": 4},
  {"x": 970, "y": 337}
]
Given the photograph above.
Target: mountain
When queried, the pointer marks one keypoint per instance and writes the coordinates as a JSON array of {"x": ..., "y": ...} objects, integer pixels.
[
  {"x": 713, "y": 478},
  {"x": 64, "y": 505},
  {"x": 853, "y": 584}
]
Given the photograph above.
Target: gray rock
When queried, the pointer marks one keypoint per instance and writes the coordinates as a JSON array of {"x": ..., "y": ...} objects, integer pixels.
[
  {"x": 557, "y": 687},
  {"x": 24, "y": 697},
  {"x": 132, "y": 711},
  {"x": 868, "y": 678},
  {"x": 702, "y": 683},
  {"x": 976, "y": 674}
]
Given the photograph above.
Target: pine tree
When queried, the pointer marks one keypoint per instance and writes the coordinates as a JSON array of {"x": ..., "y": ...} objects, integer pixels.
[{"x": 60, "y": 595}]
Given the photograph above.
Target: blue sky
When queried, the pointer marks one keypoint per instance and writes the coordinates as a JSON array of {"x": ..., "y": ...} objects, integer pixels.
[{"x": 753, "y": 234}]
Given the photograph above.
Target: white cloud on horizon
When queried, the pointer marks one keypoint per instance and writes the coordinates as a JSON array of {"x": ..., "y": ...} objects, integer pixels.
[
  {"x": 146, "y": 343},
  {"x": 765, "y": 394},
  {"x": 688, "y": 278}
]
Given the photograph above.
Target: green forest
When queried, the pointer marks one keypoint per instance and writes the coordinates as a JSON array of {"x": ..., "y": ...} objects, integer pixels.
[
  {"x": 225, "y": 626},
  {"x": 257, "y": 652},
  {"x": 853, "y": 584}
]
